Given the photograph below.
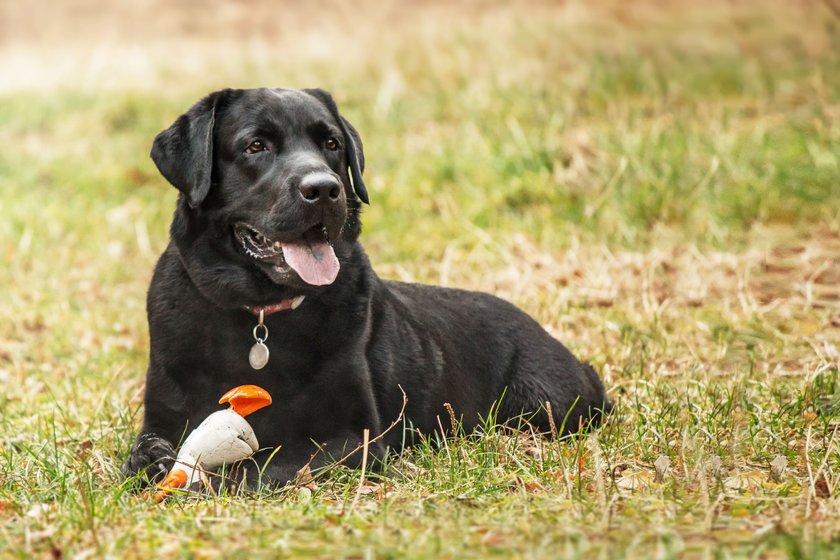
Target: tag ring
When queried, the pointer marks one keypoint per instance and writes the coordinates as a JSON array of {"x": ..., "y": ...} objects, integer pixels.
[{"x": 257, "y": 330}]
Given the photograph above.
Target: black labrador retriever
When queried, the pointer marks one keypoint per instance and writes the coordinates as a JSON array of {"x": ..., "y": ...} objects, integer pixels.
[{"x": 264, "y": 282}]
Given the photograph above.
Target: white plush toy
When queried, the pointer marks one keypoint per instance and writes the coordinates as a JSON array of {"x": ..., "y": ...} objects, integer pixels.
[{"x": 224, "y": 437}]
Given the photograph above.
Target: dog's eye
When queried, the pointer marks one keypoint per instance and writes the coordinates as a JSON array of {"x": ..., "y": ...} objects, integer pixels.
[
  {"x": 256, "y": 146},
  {"x": 332, "y": 144}
]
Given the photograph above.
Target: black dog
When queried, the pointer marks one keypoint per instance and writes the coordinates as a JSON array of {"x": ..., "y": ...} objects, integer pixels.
[{"x": 268, "y": 220}]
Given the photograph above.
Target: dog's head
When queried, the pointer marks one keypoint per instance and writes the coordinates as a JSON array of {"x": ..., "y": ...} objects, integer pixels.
[{"x": 271, "y": 190}]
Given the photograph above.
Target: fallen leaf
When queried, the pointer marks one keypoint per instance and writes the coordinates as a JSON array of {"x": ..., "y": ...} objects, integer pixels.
[
  {"x": 777, "y": 468},
  {"x": 533, "y": 487},
  {"x": 7, "y": 508},
  {"x": 534, "y": 452},
  {"x": 304, "y": 478},
  {"x": 634, "y": 480},
  {"x": 370, "y": 488},
  {"x": 747, "y": 481},
  {"x": 821, "y": 487},
  {"x": 559, "y": 474},
  {"x": 661, "y": 465},
  {"x": 714, "y": 466}
]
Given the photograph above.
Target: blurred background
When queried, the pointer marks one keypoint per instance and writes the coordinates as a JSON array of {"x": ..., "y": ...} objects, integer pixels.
[{"x": 596, "y": 117}]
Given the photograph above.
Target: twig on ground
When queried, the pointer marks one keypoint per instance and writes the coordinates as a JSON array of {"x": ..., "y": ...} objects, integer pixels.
[
  {"x": 551, "y": 424},
  {"x": 365, "y": 442}
]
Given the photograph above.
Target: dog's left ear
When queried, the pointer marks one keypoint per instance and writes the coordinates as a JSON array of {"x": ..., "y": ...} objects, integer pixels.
[
  {"x": 354, "y": 150},
  {"x": 184, "y": 152}
]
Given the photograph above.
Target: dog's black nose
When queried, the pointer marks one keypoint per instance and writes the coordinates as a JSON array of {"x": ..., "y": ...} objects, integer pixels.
[{"x": 320, "y": 188}]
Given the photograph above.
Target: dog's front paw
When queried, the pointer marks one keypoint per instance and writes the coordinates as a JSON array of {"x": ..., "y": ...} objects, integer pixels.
[{"x": 151, "y": 457}]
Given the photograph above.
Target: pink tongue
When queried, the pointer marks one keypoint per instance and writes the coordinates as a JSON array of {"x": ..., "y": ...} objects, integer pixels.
[{"x": 313, "y": 260}]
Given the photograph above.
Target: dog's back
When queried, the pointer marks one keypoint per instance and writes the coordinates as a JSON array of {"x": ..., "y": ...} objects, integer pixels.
[{"x": 473, "y": 351}]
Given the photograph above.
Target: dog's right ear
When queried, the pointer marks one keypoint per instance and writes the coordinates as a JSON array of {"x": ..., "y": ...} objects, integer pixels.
[{"x": 184, "y": 152}]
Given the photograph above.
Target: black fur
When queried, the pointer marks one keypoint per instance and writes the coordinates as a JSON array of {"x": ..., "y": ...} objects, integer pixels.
[{"x": 340, "y": 362}]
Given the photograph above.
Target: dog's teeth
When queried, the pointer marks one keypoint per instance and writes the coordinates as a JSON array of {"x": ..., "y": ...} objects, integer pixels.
[
  {"x": 296, "y": 301},
  {"x": 277, "y": 245}
]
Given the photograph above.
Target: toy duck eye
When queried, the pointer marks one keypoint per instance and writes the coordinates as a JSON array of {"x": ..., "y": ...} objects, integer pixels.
[
  {"x": 332, "y": 144},
  {"x": 256, "y": 146}
]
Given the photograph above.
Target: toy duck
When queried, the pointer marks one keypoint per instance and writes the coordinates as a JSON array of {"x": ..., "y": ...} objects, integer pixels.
[{"x": 224, "y": 437}]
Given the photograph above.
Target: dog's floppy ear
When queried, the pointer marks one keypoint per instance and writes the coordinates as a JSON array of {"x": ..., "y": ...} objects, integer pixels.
[
  {"x": 184, "y": 152},
  {"x": 354, "y": 151},
  {"x": 356, "y": 157}
]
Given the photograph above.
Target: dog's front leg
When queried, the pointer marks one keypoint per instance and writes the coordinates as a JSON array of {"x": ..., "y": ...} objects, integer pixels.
[
  {"x": 165, "y": 418},
  {"x": 151, "y": 457}
]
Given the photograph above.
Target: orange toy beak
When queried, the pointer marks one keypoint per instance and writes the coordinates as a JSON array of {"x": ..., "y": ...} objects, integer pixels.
[
  {"x": 175, "y": 479},
  {"x": 246, "y": 399}
]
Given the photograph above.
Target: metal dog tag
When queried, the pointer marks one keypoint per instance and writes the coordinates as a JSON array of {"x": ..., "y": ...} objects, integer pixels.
[{"x": 258, "y": 356}]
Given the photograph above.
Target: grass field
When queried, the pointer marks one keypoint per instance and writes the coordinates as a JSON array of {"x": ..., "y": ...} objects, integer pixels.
[{"x": 659, "y": 186}]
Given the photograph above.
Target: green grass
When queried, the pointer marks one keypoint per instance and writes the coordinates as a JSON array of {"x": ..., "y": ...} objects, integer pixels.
[{"x": 659, "y": 187}]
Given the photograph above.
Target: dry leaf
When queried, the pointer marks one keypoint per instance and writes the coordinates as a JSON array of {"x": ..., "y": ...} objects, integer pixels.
[
  {"x": 371, "y": 488},
  {"x": 821, "y": 487},
  {"x": 7, "y": 508},
  {"x": 714, "y": 466},
  {"x": 532, "y": 486},
  {"x": 661, "y": 465},
  {"x": 777, "y": 468},
  {"x": 747, "y": 481},
  {"x": 304, "y": 478},
  {"x": 533, "y": 451},
  {"x": 634, "y": 480}
]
